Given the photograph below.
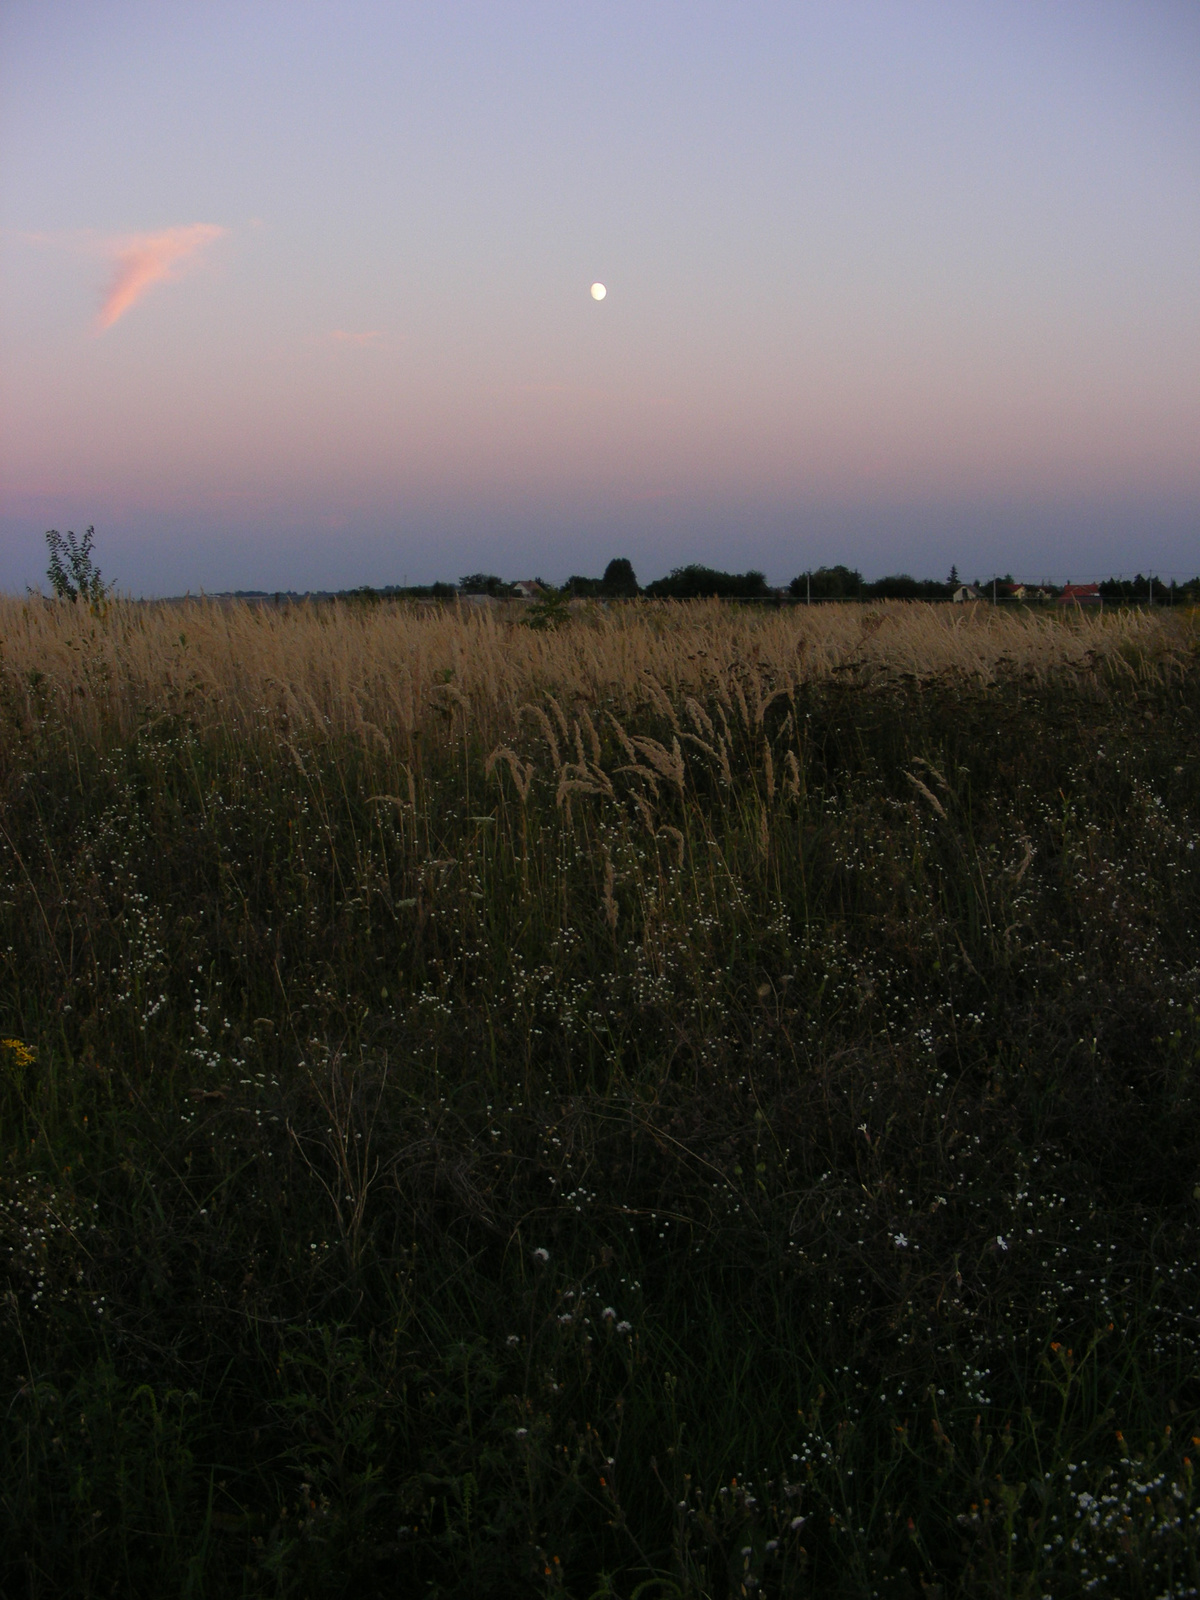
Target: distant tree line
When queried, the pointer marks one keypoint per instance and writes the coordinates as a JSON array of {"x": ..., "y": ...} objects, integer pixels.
[
  {"x": 1139, "y": 588},
  {"x": 74, "y": 575},
  {"x": 703, "y": 583},
  {"x": 819, "y": 584},
  {"x": 847, "y": 583}
]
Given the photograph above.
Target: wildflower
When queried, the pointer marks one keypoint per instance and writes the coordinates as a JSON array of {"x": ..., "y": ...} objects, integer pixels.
[
  {"x": 541, "y": 1255},
  {"x": 608, "y": 1313},
  {"x": 900, "y": 1241},
  {"x": 797, "y": 1523},
  {"x": 1001, "y": 1242},
  {"x": 624, "y": 1327},
  {"x": 513, "y": 1338},
  {"x": 522, "y": 1433}
]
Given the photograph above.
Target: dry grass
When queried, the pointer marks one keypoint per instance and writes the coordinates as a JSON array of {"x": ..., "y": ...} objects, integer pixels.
[
  {"x": 704, "y": 1102},
  {"x": 401, "y": 669}
]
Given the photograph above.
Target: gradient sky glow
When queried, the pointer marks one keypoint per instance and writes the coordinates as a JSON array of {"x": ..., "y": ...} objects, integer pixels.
[{"x": 297, "y": 294}]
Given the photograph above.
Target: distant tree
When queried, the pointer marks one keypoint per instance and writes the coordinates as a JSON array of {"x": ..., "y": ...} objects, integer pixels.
[
  {"x": 484, "y": 583},
  {"x": 900, "y": 586},
  {"x": 828, "y": 583},
  {"x": 72, "y": 573},
  {"x": 584, "y": 588},
  {"x": 700, "y": 583},
  {"x": 952, "y": 580},
  {"x": 620, "y": 580},
  {"x": 1136, "y": 588},
  {"x": 410, "y": 591}
]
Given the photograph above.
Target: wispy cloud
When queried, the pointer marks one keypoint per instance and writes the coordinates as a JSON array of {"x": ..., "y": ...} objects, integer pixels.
[
  {"x": 144, "y": 259},
  {"x": 371, "y": 339}
]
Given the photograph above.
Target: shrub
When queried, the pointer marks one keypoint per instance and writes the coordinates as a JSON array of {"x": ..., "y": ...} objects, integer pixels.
[{"x": 72, "y": 572}]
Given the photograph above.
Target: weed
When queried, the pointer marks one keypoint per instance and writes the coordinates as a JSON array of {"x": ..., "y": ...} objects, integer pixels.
[{"x": 691, "y": 1103}]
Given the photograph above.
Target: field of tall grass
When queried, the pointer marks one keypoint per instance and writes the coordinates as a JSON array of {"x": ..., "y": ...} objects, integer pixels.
[{"x": 688, "y": 1102}]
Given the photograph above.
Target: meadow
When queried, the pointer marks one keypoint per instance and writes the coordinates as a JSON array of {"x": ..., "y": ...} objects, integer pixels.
[{"x": 687, "y": 1101}]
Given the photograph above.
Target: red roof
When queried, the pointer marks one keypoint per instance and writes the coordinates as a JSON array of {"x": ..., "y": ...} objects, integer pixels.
[{"x": 1081, "y": 592}]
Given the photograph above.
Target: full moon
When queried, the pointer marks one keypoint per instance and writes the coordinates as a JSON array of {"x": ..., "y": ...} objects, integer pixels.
[{"x": 598, "y": 291}]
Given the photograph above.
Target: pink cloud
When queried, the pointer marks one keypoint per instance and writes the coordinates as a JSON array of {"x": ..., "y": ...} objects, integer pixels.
[{"x": 144, "y": 259}]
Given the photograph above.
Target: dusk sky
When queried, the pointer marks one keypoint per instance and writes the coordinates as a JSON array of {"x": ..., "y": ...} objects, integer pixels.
[{"x": 297, "y": 294}]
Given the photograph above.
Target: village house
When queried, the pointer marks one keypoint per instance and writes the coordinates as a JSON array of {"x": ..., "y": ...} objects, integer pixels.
[{"x": 1080, "y": 594}]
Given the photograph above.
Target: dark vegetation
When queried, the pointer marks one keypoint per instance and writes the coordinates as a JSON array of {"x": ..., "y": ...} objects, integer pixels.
[
  {"x": 484, "y": 583},
  {"x": 1140, "y": 589},
  {"x": 819, "y": 585},
  {"x": 750, "y": 1150},
  {"x": 843, "y": 583},
  {"x": 72, "y": 572},
  {"x": 703, "y": 583},
  {"x": 829, "y": 583},
  {"x": 618, "y": 583},
  {"x": 74, "y": 575}
]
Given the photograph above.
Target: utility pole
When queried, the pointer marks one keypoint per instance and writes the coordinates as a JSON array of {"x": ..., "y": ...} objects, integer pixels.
[
  {"x": 993, "y": 591},
  {"x": 808, "y": 588},
  {"x": 1151, "y": 588}
]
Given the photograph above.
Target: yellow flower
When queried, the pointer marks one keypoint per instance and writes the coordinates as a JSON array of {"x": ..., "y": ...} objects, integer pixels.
[{"x": 23, "y": 1053}]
